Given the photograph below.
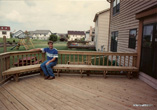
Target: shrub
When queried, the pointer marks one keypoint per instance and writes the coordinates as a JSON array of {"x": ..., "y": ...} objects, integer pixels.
[{"x": 53, "y": 37}]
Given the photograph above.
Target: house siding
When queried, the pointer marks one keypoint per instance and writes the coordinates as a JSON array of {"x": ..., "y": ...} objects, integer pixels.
[
  {"x": 101, "y": 30},
  {"x": 125, "y": 20}
]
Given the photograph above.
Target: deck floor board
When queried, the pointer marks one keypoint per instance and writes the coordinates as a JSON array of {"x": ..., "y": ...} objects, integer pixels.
[{"x": 75, "y": 93}]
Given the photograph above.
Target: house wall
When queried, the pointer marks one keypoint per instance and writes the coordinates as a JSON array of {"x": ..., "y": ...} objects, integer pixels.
[
  {"x": 125, "y": 20},
  {"x": 7, "y": 34},
  {"x": 73, "y": 37},
  {"x": 88, "y": 38},
  {"x": 102, "y": 29},
  {"x": 42, "y": 36}
]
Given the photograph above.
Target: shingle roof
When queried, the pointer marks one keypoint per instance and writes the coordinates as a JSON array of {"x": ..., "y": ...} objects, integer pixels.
[
  {"x": 5, "y": 28},
  {"x": 76, "y": 33}
]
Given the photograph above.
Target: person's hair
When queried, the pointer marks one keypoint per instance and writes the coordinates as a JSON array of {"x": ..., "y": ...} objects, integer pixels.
[{"x": 50, "y": 42}]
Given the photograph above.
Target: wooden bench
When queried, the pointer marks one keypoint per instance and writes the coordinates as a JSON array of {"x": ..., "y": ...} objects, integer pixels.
[{"x": 17, "y": 70}]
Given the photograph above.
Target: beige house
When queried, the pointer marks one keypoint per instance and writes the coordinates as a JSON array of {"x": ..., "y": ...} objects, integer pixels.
[
  {"x": 133, "y": 28},
  {"x": 76, "y": 35},
  {"x": 101, "y": 20}
]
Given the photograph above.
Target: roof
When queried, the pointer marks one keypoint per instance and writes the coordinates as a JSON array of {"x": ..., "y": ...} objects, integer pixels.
[
  {"x": 100, "y": 12},
  {"x": 17, "y": 33},
  {"x": 76, "y": 33},
  {"x": 7, "y": 28},
  {"x": 41, "y": 31}
]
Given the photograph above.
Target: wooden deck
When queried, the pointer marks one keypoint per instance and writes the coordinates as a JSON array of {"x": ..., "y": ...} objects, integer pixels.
[{"x": 75, "y": 93}]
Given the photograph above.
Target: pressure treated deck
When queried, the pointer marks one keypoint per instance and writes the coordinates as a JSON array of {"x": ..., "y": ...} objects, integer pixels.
[{"x": 75, "y": 93}]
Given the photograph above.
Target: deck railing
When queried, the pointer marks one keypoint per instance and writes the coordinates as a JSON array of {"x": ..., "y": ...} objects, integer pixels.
[{"x": 22, "y": 58}]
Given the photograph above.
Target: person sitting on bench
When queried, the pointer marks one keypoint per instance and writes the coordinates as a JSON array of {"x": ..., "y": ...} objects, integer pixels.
[{"x": 52, "y": 58}]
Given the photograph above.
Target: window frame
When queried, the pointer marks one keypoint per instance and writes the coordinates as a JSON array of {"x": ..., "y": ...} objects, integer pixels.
[
  {"x": 4, "y": 32},
  {"x": 116, "y": 8},
  {"x": 132, "y": 47}
]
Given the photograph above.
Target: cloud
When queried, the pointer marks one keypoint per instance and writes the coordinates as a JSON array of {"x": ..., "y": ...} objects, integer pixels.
[
  {"x": 14, "y": 16},
  {"x": 29, "y": 2},
  {"x": 55, "y": 15}
]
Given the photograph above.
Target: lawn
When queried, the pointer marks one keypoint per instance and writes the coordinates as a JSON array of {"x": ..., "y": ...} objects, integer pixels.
[{"x": 40, "y": 44}]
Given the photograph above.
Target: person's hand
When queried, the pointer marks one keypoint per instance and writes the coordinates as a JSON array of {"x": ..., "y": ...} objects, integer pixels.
[{"x": 47, "y": 63}]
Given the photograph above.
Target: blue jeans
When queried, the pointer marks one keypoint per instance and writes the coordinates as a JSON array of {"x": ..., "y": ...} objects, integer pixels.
[{"x": 47, "y": 69}]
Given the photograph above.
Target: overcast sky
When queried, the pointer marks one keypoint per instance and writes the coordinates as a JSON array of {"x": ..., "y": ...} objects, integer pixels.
[{"x": 55, "y": 15}]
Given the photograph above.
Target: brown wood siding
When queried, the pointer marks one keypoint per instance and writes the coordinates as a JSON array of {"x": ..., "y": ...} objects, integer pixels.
[{"x": 125, "y": 20}]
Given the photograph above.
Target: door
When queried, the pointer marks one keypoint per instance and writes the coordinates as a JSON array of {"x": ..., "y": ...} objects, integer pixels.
[{"x": 149, "y": 50}]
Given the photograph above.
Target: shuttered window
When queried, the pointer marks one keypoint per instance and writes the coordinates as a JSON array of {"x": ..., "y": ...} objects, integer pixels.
[
  {"x": 132, "y": 38},
  {"x": 116, "y": 6}
]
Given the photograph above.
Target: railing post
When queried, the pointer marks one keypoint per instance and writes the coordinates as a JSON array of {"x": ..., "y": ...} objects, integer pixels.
[
  {"x": 134, "y": 61},
  {"x": 43, "y": 57},
  {"x": 8, "y": 62},
  {"x": 4, "y": 44}
]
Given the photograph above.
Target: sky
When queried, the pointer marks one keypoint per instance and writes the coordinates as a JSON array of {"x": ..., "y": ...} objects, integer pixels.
[{"x": 59, "y": 16}]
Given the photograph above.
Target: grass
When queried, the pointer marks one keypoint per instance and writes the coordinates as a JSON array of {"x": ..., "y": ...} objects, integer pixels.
[
  {"x": 59, "y": 46},
  {"x": 40, "y": 44}
]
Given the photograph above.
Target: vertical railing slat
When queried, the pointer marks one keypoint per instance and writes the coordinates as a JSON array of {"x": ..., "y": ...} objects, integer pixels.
[
  {"x": 103, "y": 61},
  {"x": 124, "y": 60},
  {"x": 17, "y": 60},
  {"x": 94, "y": 60},
  {"x": 82, "y": 59},
  {"x": 38, "y": 58},
  {"x": 111, "y": 59},
  {"x": 78, "y": 59},
  {"x": 120, "y": 60},
  {"x": 128, "y": 60},
  {"x": 116, "y": 61},
  {"x": 99, "y": 60},
  {"x": 107, "y": 60}
]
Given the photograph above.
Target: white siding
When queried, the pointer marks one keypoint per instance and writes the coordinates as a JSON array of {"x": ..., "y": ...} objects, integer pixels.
[
  {"x": 101, "y": 31},
  {"x": 73, "y": 37},
  {"x": 7, "y": 34}
]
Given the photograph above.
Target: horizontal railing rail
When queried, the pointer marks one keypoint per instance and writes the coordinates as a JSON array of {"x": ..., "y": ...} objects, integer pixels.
[{"x": 23, "y": 58}]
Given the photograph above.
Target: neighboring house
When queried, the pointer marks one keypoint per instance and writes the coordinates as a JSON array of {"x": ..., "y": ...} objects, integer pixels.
[
  {"x": 17, "y": 34},
  {"x": 20, "y": 34},
  {"x": 101, "y": 20},
  {"x": 90, "y": 34},
  {"x": 133, "y": 28},
  {"x": 4, "y": 31},
  {"x": 41, "y": 34},
  {"x": 75, "y": 35}
]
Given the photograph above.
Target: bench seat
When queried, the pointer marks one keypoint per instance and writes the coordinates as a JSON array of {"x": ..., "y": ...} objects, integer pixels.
[
  {"x": 94, "y": 67},
  {"x": 16, "y": 70}
]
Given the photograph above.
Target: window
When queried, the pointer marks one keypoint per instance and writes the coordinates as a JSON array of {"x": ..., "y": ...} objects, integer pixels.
[
  {"x": 116, "y": 6},
  {"x": 114, "y": 36},
  {"x": 132, "y": 38},
  {"x": 4, "y": 32}
]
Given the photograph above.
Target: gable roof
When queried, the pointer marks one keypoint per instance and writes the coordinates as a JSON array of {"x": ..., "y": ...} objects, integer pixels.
[
  {"x": 100, "y": 12},
  {"x": 17, "y": 33},
  {"x": 76, "y": 33}
]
